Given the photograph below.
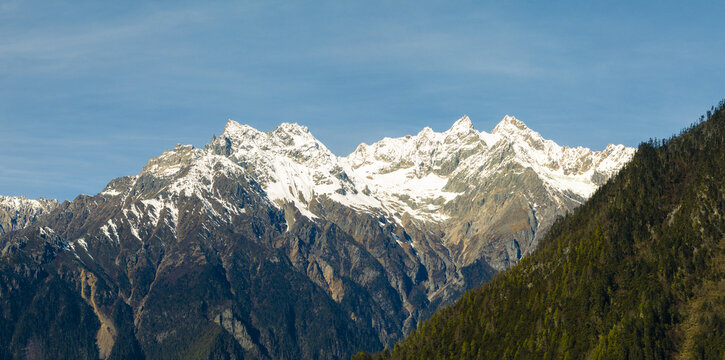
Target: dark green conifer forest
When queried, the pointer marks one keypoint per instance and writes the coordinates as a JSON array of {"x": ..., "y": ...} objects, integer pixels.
[{"x": 638, "y": 272}]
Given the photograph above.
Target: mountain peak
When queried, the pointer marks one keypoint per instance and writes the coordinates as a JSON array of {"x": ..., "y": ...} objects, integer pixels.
[
  {"x": 234, "y": 129},
  {"x": 463, "y": 124},
  {"x": 292, "y": 128},
  {"x": 231, "y": 125},
  {"x": 509, "y": 124},
  {"x": 426, "y": 131}
]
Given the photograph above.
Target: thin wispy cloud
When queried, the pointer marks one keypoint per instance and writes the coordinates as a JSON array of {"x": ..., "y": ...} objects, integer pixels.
[
  {"x": 77, "y": 46},
  {"x": 9, "y": 6},
  {"x": 435, "y": 52}
]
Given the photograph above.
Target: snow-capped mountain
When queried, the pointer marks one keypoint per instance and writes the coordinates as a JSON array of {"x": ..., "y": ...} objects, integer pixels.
[
  {"x": 436, "y": 167},
  {"x": 18, "y": 212},
  {"x": 278, "y": 246},
  {"x": 429, "y": 179},
  {"x": 417, "y": 174}
]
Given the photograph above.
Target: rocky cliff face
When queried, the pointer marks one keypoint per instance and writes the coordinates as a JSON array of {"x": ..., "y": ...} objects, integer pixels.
[
  {"x": 267, "y": 245},
  {"x": 19, "y": 212}
]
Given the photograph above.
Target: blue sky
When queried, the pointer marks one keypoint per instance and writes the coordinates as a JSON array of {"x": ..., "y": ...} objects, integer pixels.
[{"x": 90, "y": 90}]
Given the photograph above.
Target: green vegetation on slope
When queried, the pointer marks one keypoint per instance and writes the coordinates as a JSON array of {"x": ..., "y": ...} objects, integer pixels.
[{"x": 638, "y": 272}]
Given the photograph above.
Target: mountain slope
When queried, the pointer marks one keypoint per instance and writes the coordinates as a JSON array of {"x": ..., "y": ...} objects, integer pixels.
[
  {"x": 267, "y": 245},
  {"x": 636, "y": 272}
]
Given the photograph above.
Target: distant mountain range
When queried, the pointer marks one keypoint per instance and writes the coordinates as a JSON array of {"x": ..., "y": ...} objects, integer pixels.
[
  {"x": 19, "y": 212},
  {"x": 267, "y": 245}
]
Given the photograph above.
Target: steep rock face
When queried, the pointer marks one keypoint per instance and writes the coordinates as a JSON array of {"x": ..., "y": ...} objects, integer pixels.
[
  {"x": 267, "y": 245},
  {"x": 19, "y": 212}
]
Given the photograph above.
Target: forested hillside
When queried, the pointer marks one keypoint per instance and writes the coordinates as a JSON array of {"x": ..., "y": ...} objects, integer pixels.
[{"x": 638, "y": 272}]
